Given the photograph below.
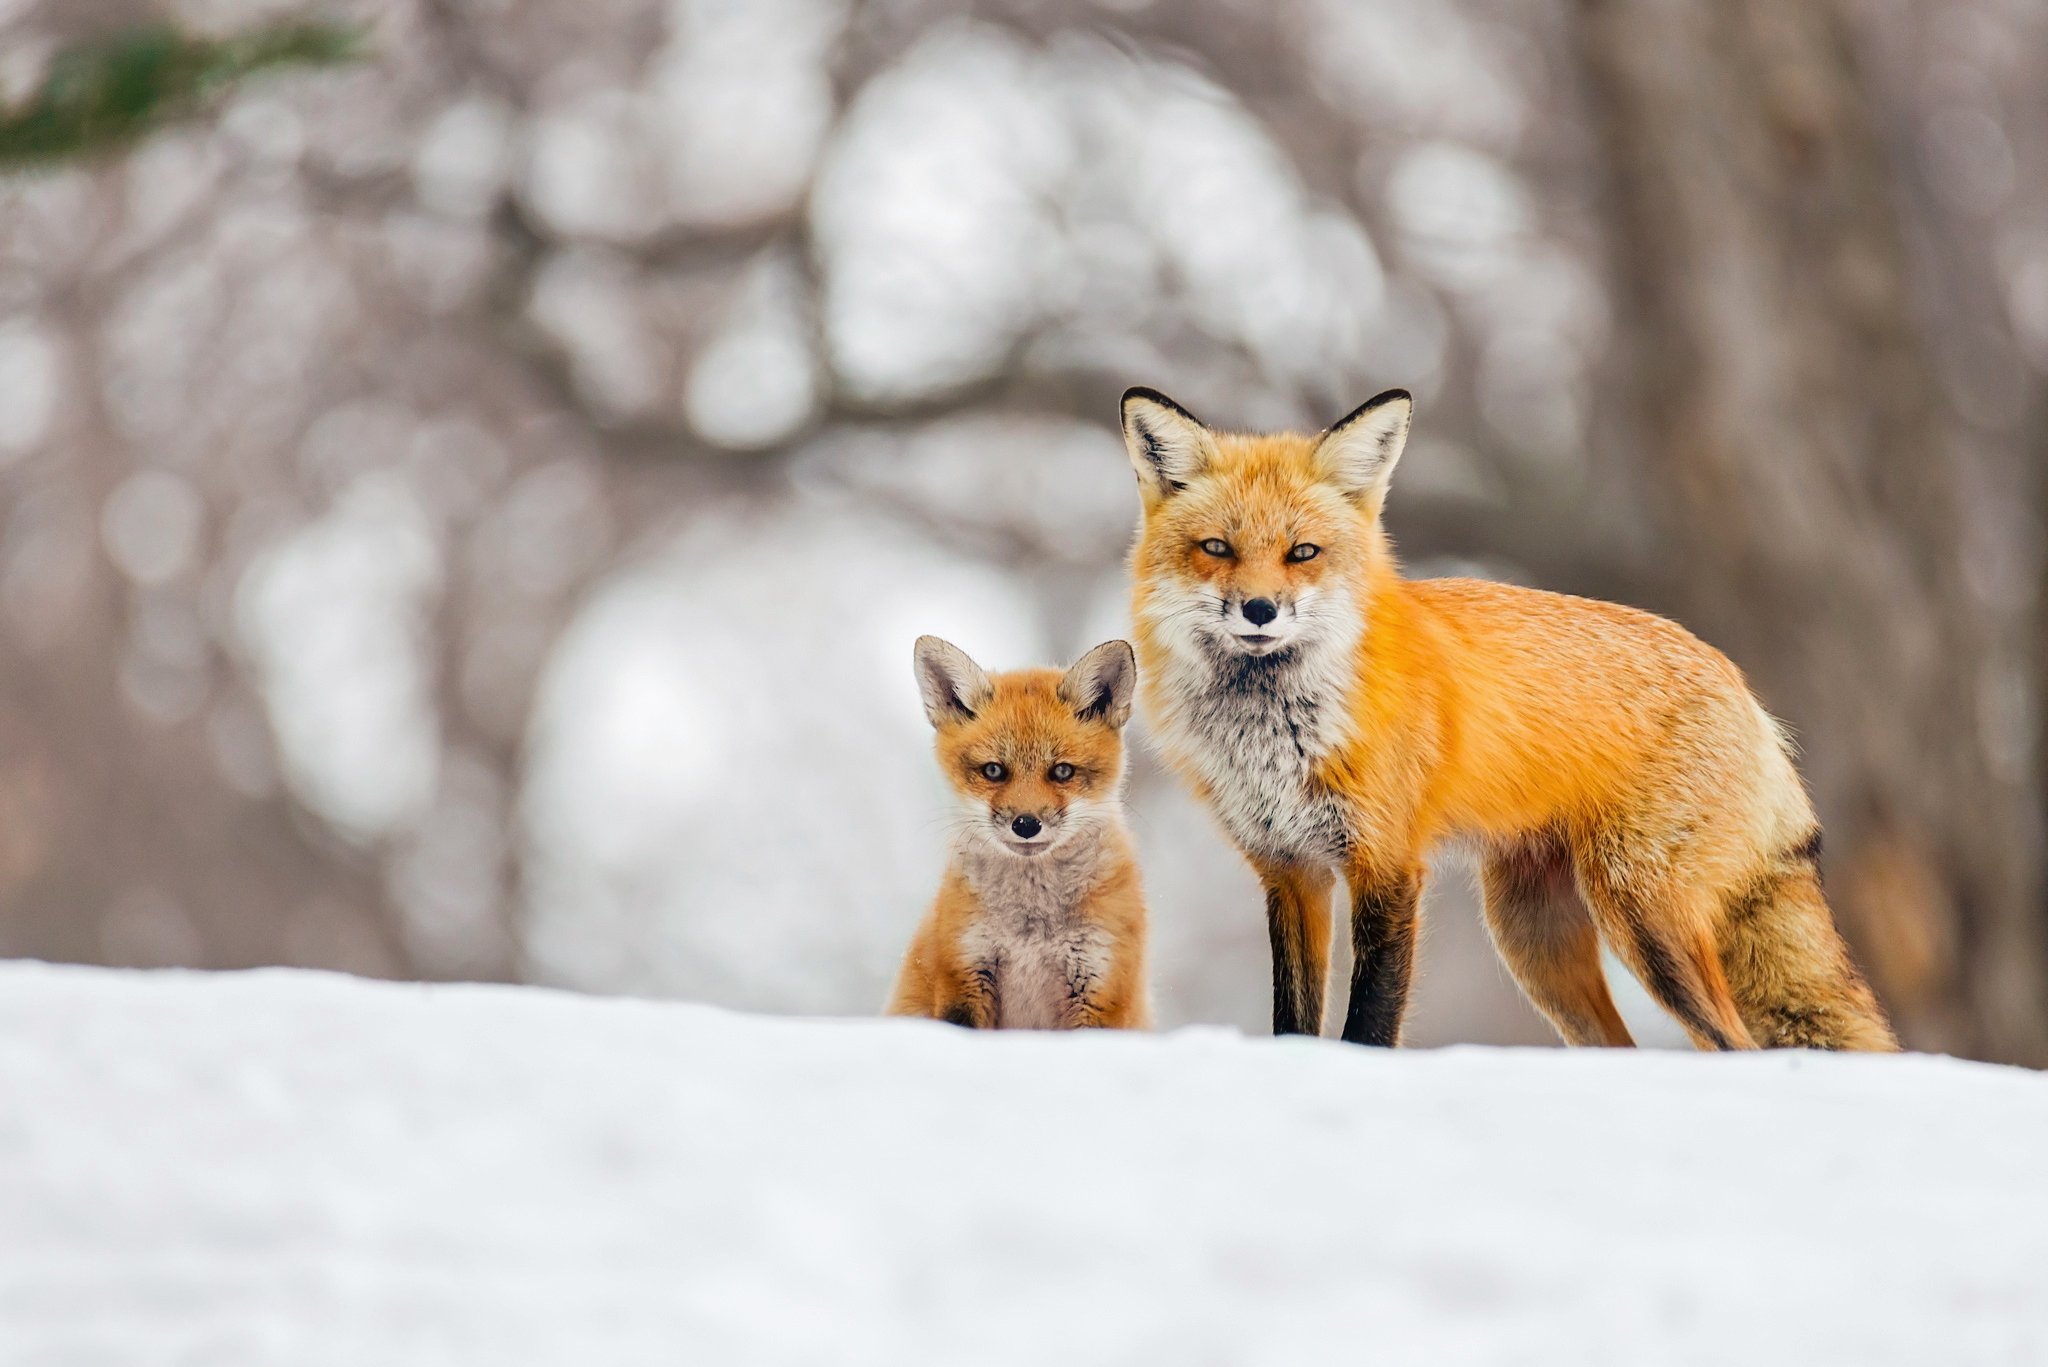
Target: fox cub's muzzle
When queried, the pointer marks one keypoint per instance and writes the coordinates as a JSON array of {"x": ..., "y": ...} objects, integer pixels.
[{"x": 1027, "y": 832}]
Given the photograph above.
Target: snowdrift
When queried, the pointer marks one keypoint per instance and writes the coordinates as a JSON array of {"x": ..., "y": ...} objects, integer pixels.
[{"x": 288, "y": 1168}]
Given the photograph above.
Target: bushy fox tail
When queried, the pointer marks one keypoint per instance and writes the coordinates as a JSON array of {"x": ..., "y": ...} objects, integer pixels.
[{"x": 1788, "y": 970}]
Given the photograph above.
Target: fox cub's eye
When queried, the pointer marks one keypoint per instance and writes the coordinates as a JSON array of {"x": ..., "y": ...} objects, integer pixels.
[
  {"x": 994, "y": 772},
  {"x": 1061, "y": 772},
  {"x": 1304, "y": 551},
  {"x": 1217, "y": 547}
]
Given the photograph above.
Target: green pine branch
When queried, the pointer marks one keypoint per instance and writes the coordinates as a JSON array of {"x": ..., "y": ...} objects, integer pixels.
[{"x": 102, "y": 96}]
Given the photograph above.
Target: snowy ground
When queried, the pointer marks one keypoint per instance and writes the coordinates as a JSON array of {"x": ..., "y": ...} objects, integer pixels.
[{"x": 298, "y": 1169}]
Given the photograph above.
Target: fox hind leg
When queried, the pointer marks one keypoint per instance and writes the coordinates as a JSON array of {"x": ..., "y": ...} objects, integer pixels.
[
  {"x": 1542, "y": 932},
  {"x": 1665, "y": 936}
]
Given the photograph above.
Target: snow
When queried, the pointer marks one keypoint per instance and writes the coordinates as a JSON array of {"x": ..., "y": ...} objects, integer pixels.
[{"x": 281, "y": 1167}]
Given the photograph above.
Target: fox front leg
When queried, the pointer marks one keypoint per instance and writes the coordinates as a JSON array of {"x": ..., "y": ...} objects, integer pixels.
[
  {"x": 1088, "y": 1005},
  {"x": 1383, "y": 918},
  {"x": 972, "y": 1000},
  {"x": 1298, "y": 924}
]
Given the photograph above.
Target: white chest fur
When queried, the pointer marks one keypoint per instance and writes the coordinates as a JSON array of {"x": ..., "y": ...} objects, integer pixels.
[
  {"x": 1042, "y": 954},
  {"x": 1254, "y": 732}
]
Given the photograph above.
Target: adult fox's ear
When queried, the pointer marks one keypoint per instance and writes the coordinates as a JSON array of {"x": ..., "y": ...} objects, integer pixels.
[
  {"x": 953, "y": 686},
  {"x": 1100, "y": 684},
  {"x": 1168, "y": 445},
  {"x": 1359, "y": 452}
]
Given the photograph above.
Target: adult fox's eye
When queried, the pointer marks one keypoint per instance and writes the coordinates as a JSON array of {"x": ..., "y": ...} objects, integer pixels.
[
  {"x": 1304, "y": 551},
  {"x": 994, "y": 772},
  {"x": 1061, "y": 772},
  {"x": 1217, "y": 547}
]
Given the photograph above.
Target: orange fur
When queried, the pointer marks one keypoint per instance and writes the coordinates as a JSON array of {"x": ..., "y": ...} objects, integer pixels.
[
  {"x": 1047, "y": 932},
  {"x": 1615, "y": 773}
]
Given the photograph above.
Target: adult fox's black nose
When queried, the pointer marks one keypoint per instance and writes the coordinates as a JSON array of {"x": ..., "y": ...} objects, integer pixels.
[
  {"x": 1259, "y": 611},
  {"x": 1026, "y": 826}
]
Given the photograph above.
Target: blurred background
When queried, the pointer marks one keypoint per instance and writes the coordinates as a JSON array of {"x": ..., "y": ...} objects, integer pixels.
[{"x": 464, "y": 513}]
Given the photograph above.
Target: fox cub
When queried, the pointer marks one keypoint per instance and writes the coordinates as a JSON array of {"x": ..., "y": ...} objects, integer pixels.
[
  {"x": 1617, "y": 778},
  {"x": 1040, "y": 921}
]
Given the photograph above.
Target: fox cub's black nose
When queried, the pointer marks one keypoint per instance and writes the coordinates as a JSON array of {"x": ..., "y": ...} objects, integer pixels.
[
  {"x": 1026, "y": 826},
  {"x": 1259, "y": 611}
]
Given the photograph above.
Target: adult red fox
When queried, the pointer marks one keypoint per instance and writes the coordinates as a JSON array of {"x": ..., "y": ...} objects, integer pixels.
[
  {"x": 1616, "y": 777},
  {"x": 1040, "y": 921}
]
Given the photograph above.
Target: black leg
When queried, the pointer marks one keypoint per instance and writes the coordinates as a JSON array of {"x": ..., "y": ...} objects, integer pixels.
[
  {"x": 1383, "y": 915},
  {"x": 1298, "y": 926}
]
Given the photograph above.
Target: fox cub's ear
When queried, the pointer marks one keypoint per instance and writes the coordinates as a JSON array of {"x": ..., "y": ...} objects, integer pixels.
[
  {"x": 1168, "y": 445},
  {"x": 1360, "y": 450},
  {"x": 1099, "y": 685},
  {"x": 953, "y": 686}
]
